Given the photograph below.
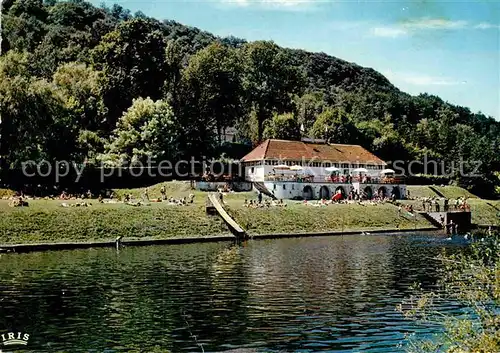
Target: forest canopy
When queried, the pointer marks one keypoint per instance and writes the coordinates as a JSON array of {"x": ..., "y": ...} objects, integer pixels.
[{"x": 93, "y": 84}]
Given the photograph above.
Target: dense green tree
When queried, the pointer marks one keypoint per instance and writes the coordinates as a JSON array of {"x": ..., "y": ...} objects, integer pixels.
[
  {"x": 147, "y": 130},
  {"x": 81, "y": 67},
  {"x": 214, "y": 76},
  {"x": 282, "y": 126},
  {"x": 174, "y": 58},
  {"x": 23, "y": 24},
  {"x": 80, "y": 88},
  {"x": 335, "y": 126},
  {"x": 309, "y": 107},
  {"x": 35, "y": 123},
  {"x": 270, "y": 80},
  {"x": 132, "y": 58}
]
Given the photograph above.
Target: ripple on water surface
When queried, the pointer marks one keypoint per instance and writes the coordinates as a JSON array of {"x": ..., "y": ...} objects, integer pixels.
[{"x": 294, "y": 295}]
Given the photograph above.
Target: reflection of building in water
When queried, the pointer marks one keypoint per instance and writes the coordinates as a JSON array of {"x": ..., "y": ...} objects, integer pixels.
[{"x": 332, "y": 274}]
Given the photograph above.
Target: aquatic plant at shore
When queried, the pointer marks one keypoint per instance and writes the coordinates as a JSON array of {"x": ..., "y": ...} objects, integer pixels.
[{"x": 472, "y": 279}]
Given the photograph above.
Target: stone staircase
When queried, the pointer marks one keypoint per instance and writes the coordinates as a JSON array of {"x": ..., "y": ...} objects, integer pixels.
[{"x": 434, "y": 218}]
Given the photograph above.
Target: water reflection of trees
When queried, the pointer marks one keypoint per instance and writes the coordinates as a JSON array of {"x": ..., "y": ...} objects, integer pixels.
[
  {"x": 96, "y": 298},
  {"x": 279, "y": 291},
  {"x": 341, "y": 283}
]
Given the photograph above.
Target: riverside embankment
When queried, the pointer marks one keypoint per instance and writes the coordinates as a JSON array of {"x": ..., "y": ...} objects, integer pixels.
[{"x": 46, "y": 224}]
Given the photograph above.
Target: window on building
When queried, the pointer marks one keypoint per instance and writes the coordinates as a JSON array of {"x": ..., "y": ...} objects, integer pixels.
[
  {"x": 284, "y": 186},
  {"x": 252, "y": 170},
  {"x": 293, "y": 187},
  {"x": 274, "y": 186}
]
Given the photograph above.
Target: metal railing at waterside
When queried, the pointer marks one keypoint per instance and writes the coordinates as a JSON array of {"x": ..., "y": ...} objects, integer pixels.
[{"x": 335, "y": 179}]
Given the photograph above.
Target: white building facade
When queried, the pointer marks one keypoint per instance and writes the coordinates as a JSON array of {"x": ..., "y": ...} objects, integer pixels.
[{"x": 302, "y": 170}]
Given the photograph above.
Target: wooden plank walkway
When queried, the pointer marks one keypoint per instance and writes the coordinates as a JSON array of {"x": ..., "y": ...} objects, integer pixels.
[{"x": 235, "y": 227}]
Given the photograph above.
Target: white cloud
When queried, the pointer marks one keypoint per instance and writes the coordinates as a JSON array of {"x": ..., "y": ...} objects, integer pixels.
[
  {"x": 275, "y": 4},
  {"x": 486, "y": 25},
  {"x": 426, "y": 25},
  {"x": 433, "y": 24},
  {"x": 388, "y": 32},
  {"x": 421, "y": 79}
]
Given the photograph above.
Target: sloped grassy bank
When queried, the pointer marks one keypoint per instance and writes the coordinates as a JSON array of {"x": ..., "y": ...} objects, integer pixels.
[
  {"x": 45, "y": 221},
  {"x": 299, "y": 218}
]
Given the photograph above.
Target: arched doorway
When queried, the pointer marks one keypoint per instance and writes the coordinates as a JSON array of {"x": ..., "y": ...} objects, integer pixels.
[
  {"x": 368, "y": 193},
  {"x": 324, "y": 193},
  {"x": 396, "y": 192},
  {"x": 342, "y": 191},
  {"x": 382, "y": 192},
  {"x": 307, "y": 193}
]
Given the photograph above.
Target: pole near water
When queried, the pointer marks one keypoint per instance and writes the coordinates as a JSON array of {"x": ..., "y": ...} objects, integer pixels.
[{"x": 118, "y": 242}]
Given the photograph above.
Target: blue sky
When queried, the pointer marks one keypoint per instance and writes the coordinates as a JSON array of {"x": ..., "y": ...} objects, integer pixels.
[{"x": 447, "y": 48}]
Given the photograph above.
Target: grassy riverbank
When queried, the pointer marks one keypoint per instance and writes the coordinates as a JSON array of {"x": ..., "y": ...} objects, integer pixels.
[
  {"x": 47, "y": 221},
  {"x": 299, "y": 218},
  {"x": 484, "y": 212},
  {"x": 448, "y": 191}
]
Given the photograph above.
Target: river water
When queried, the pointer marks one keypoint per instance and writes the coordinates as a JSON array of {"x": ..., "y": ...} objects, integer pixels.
[{"x": 322, "y": 294}]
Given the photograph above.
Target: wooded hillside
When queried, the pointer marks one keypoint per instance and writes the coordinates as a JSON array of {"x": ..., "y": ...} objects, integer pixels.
[{"x": 93, "y": 85}]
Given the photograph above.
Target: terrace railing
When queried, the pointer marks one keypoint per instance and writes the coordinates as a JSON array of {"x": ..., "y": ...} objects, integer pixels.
[{"x": 334, "y": 179}]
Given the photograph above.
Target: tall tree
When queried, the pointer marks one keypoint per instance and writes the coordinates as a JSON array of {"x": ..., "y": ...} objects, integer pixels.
[
  {"x": 132, "y": 59},
  {"x": 270, "y": 80},
  {"x": 35, "y": 122},
  {"x": 335, "y": 126},
  {"x": 146, "y": 130},
  {"x": 309, "y": 107},
  {"x": 214, "y": 77},
  {"x": 81, "y": 91},
  {"x": 282, "y": 126}
]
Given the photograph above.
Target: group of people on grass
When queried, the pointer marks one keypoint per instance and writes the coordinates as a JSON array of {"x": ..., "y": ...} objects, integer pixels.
[
  {"x": 183, "y": 201},
  {"x": 355, "y": 195},
  {"x": 263, "y": 204},
  {"x": 407, "y": 208},
  {"x": 18, "y": 201},
  {"x": 433, "y": 204}
]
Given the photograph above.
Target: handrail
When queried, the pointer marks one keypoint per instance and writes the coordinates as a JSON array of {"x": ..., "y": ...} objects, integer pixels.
[{"x": 334, "y": 179}]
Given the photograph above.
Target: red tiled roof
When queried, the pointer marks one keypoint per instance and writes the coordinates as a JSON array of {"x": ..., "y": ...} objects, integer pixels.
[{"x": 298, "y": 150}]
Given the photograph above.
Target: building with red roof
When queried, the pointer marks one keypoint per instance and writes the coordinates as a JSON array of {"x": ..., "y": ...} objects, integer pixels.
[{"x": 309, "y": 169}]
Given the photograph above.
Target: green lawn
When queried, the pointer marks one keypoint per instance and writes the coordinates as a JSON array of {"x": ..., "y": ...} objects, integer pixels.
[
  {"x": 417, "y": 191},
  {"x": 453, "y": 192},
  {"x": 47, "y": 221},
  {"x": 485, "y": 212},
  {"x": 482, "y": 213},
  {"x": 449, "y": 191},
  {"x": 299, "y": 218}
]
